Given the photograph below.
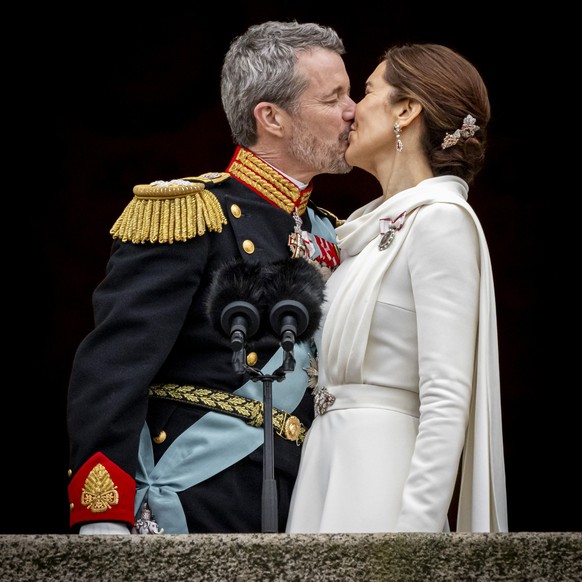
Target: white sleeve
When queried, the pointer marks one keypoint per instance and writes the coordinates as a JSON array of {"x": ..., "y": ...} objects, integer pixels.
[
  {"x": 104, "y": 528},
  {"x": 443, "y": 258}
]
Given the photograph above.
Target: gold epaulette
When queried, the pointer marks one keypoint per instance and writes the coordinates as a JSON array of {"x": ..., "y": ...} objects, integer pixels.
[{"x": 165, "y": 212}]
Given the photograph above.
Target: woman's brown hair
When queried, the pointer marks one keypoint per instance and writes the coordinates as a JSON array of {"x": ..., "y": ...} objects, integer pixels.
[{"x": 449, "y": 88}]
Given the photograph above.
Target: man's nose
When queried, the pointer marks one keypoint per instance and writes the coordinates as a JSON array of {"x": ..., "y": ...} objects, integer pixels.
[{"x": 350, "y": 110}]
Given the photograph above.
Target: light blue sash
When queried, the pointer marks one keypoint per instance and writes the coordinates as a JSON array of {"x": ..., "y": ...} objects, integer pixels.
[
  {"x": 321, "y": 226},
  {"x": 210, "y": 445}
]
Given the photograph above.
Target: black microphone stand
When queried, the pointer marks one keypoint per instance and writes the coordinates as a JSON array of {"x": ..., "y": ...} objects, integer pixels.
[
  {"x": 289, "y": 319},
  {"x": 269, "y": 501},
  {"x": 239, "y": 319}
]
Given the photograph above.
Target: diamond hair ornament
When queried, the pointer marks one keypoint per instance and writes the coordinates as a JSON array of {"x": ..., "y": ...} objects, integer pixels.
[{"x": 468, "y": 129}]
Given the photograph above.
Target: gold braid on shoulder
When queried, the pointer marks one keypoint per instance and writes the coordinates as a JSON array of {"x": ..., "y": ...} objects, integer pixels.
[{"x": 165, "y": 212}]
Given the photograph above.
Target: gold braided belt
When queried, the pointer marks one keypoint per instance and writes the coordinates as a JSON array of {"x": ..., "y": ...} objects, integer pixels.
[{"x": 251, "y": 411}]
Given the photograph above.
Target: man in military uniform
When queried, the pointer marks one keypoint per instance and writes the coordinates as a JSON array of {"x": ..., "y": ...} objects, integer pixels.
[{"x": 157, "y": 415}]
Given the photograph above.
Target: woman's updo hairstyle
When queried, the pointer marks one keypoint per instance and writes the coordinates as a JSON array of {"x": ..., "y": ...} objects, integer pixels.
[{"x": 450, "y": 89}]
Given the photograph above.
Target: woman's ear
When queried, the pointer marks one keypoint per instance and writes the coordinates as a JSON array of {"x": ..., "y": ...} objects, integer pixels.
[
  {"x": 270, "y": 118},
  {"x": 407, "y": 111}
]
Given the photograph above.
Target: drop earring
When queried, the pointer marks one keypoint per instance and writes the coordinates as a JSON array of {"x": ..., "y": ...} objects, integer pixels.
[{"x": 399, "y": 145}]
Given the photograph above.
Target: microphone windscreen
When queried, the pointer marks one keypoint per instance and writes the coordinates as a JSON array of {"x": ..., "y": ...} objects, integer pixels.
[
  {"x": 233, "y": 281},
  {"x": 301, "y": 281}
]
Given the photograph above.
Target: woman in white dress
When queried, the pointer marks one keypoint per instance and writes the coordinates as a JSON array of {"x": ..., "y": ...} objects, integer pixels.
[{"x": 408, "y": 400}]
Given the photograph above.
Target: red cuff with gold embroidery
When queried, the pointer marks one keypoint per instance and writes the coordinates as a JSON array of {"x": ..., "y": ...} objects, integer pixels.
[{"x": 101, "y": 491}]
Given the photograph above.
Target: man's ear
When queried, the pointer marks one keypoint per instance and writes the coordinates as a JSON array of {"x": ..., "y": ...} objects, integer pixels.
[
  {"x": 407, "y": 111},
  {"x": 270, "y": 118}
]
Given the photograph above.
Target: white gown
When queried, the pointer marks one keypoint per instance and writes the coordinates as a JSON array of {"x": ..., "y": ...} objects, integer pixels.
[{"x": 409, "y": 351}]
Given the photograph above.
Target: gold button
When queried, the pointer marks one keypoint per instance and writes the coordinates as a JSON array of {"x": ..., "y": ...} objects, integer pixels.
[
  {"x": 71, "y": 506},
  {"x": 235, "y": 210},
  {"x": 69, "y": 473},
  {"x": 252, "y": 358},
  {"x": 248, "y": 247},
  {"x": 160, "y": 438}
]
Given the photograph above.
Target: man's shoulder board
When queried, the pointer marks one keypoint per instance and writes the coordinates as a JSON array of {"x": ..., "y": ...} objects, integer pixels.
[
  {"x": 331, "y": 216},
  {"x": 209, "y": 178}
]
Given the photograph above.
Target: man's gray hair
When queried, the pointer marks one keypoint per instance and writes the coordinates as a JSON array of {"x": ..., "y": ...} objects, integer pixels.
[{"x": 260, "y": 66}]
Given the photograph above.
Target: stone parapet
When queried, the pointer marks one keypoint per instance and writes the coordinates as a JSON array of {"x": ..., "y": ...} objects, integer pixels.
[{"x": 455, "y": 557}]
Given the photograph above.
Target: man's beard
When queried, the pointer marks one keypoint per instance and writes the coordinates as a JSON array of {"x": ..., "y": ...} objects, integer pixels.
[{"x": 315, "y": 153}]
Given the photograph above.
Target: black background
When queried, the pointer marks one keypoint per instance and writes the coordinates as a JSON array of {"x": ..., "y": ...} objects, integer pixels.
[{"x": 106, "y": 100}]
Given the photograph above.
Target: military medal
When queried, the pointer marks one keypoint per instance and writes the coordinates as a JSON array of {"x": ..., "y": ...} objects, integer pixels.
[
  {"x": 315, "y": 249},
  {"x": 388, "y": 229},
  {"x": 296, "y": 239}
]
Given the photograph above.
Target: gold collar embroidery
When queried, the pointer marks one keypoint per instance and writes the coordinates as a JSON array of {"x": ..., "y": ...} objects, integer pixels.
[{"x": 263, "y": 179}]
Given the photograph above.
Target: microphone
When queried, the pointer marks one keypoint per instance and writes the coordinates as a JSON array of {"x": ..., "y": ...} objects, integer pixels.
[
  {"x": 241, "y": 295},
  {"x": 295, "y": 291},
  {"x": 289, "y": 318},
  {"x": 233, "y": 305},
  {"x": 242, "y": 319}
]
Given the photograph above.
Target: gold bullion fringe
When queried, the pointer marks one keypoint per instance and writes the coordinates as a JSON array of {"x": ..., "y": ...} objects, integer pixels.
[{"x": 165, "y": 220}]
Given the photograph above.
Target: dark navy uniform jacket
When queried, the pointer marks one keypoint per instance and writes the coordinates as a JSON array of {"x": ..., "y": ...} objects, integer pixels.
[{"x": 151, "y": 326}]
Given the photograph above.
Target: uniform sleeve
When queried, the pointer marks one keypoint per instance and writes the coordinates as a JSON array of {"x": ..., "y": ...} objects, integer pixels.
[
  {"x": 139, "y": 308},
  {"x": 443, "y": 259}
]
